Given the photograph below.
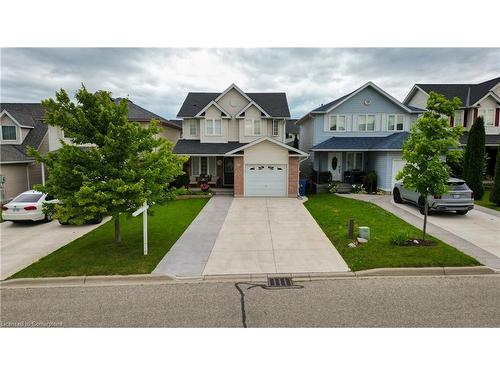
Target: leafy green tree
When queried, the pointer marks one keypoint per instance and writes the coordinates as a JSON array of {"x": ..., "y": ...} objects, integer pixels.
[
  {"x": 474, "y": 158},
  {"x": 495, "y": 193},
  {"x": 111, "y": 166},
  {"x": 431, "y": 142}
]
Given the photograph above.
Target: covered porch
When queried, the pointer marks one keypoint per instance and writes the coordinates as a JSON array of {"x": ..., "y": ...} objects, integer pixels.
[{"x": 217, "y": 170}]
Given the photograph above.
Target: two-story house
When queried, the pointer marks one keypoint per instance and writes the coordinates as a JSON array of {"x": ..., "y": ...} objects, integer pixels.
[
  {"x": 481, "y": 99},
  {"x": 356, "y": 133},
  {"x": 237, "y": 140},
  {"x": 23, "y": 126}
]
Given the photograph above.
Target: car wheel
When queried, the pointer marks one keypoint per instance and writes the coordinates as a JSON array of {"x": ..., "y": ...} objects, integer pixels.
[
  {"x": 421, "y": 207},
  {"x": 397, "y": 195},
  {"x": 462, "y": 212},
  {"x": 96, "y": 220}
]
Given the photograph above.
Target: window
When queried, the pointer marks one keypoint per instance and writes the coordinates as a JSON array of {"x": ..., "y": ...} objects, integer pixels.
[
  {"x": 487, "y": 115},
  {"x": 395, "y": 122},
  {"x": 203, "y": 165},
  {"x": 252, "y": 128},
  {"x": 458, "y": 119},
  {"x": 193, "y": 127},
  {"x": 276, "y": 129},
  {"x": 366, "y": 123},
  {"x": 337, "y": 123},
  {"x": 9, "y": 133},
  {"x": 213, "y": 127},
  {"x": 354, "y": 161}
]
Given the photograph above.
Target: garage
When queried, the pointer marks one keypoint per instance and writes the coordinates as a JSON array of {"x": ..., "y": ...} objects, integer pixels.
[{"x": 266, "y": 180}]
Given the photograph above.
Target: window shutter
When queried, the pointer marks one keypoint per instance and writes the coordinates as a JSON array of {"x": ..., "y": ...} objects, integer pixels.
[
  {"x": 195, "y": 163},
  {"x": 465, "y": 118},
  {"x": 497, "y": 117}
]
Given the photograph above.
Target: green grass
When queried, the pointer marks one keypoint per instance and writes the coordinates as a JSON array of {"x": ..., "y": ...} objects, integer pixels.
[
  {"x": 485, "y": 201},
  {"x": 332, "y": 214},
  {"x": 96, "y": 253}
]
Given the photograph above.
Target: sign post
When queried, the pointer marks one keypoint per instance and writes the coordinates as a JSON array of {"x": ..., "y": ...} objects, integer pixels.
[{"x": 144, "y": 211}]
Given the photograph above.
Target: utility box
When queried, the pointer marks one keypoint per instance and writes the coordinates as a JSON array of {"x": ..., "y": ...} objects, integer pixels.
[{"x": 364, "y": 232}]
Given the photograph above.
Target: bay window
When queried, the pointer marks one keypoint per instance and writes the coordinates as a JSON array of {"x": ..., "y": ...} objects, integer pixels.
[
  {"x": 9, "y": 133},
  {"x": 213, "y": 127},
  {"x": 458, "y": 118},
  {"x": 337, "y": 123},
  {"x": 395, "y": 122},
  {"x": 203, "y": 165},
  {"x": 366, "y": 123},
  {"x": 488, "y": 116},
  {"x": 253, "y": 128},
  {"x": 354, "y": 161}
]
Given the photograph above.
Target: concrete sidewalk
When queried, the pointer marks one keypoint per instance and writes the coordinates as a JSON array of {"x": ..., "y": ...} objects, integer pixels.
[
  {"x": 476, "y": 234},
  {"x": 188, "y": 256}
]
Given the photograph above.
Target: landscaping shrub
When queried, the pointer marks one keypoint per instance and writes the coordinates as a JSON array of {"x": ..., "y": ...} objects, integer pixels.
[
  {"x": 474, "y": 160},
  {"x": 322, "y": 177},
  {"x": 370, "y": 182},
  {"x": 181, "y": 181},
  {"x": 495, "y": 192},
  {"x": 400, "y": 238},
  {"x": 332, "y": 188},
  {"x": 357, "y": 188}
]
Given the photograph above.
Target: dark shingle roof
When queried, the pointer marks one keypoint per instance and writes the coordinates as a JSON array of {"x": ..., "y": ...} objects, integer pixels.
[
  {"x": 177, "y": 122},
  {"x": 193, "y": 146},
  {"x": 137, "y": 113},
  {"x": 391, "y": 142},
  {"x": 325, "y": 107},
  {"x": 24, "y": 113},
  {"x": 291, "y": 126},
  {"x": 274, "y": 103},
  {"x": 468, "y": 93},
  {"x": 491, "y": 139}
]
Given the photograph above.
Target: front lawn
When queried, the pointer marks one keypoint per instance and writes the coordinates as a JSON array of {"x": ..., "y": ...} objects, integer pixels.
[
  {"x": 96, "y": 253},
  {"x": 485, "y": 201},
  {"x": 333, "y": 213}
]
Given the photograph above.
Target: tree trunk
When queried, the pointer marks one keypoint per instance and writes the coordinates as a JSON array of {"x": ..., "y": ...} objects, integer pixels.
[
  {"x": 118, "y": 235},
  {"x": 426, "y": 211}
]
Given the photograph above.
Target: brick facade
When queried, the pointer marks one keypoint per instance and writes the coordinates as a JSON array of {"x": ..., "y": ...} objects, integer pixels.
[
  {"x": 293, "y": 176},
  {"x": 239, "y": 172}
]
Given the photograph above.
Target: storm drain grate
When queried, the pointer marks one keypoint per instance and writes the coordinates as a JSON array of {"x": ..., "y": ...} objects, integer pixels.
[{"x": 279, "y": 282}]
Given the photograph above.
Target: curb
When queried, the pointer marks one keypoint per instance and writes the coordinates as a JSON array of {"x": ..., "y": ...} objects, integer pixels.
[{"x": 114, "y": 280}]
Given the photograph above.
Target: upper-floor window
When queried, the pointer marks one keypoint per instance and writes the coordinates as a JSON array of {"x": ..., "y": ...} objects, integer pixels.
[
  {"x": 276, "y": 129},
  {"x": 213, "y": 127},
  {"x": 9, "y": 133},
  {"x": 395, "y": 122},
  {"x": 458, "y": 118},
  {"x": 337, "y": 123},
  {"x": 487, "y": 115},
  {"x": 366, "y": 123},
  {"x": 253, "y": 128},
  {"x": 193, "y": 127}
]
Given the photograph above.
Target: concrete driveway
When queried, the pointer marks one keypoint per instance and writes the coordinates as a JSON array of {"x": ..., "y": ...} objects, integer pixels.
[
  {"x": 271, "y": 235},
  {"x": 24, "y": 243}
]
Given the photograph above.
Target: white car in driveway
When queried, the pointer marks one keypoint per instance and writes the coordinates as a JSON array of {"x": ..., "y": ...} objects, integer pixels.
[
  {"x": 459, "y": 198},
  {"x": 27, "y": 206}
]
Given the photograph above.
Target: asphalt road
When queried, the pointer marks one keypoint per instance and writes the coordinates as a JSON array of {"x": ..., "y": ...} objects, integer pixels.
[{"x": 466, "y": 301}]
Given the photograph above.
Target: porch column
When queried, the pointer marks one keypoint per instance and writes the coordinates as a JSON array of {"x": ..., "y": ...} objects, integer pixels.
[{"x": 238, "y": 176}]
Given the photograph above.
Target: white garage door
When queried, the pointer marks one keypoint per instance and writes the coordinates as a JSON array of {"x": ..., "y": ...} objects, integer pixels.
[
  {"x": 397, "y": 165},
  {"x": 266, "y": 180}
]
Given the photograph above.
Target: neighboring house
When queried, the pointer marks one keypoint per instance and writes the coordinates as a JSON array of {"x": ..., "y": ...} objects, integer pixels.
[
  {"x": 22, "y": 125},
  {"x": 359, "y": 132},
  {"x": 238, "y": 140},
  {"x": 482, "y": 99},
  {"x": 292, "y": 131}
]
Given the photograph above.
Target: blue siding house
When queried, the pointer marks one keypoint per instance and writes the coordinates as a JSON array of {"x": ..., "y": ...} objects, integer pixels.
[{"x": 356, "y": 133}]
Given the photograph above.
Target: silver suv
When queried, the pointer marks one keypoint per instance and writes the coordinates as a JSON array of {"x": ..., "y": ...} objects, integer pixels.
[{"x": 460, "y": 197}]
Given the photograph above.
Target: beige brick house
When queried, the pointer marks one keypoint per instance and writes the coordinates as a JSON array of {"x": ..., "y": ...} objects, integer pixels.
[{"x": 237, "y": 141}]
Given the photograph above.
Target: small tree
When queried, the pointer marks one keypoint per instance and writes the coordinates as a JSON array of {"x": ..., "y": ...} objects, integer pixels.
[
  {"x": 474, "y": 158},
  {"x": 431, "y": 142},
  {"x": 495, "y": 193},
  {"x": 112, "y": 165}
]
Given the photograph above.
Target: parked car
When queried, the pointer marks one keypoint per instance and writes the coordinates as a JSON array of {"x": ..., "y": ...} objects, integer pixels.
[
  {"x": 460, "y": 197},
  {"x": 28, "y": 206}
]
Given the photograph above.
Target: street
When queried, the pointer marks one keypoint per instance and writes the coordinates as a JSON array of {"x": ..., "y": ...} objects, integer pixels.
[{"x": 451, "y": 301}]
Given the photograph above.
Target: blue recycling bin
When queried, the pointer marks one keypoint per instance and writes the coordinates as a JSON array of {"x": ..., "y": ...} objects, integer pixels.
[{"x": 302, "y": 186}]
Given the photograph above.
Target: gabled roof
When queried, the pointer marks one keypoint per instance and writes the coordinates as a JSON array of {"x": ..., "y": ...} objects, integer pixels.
[
  {"x": 252, "y": 103},
  {"x": 201, "y": 113},
  {"x": 268, "y": 139},
  {"x": 391, "y": 142},
  {"x": 19, "y": 153},
  {"x": 25, "y": 114},
  {"x": 468, "y": 93},
  {"x": 138, "y": 113},
  {"x": 274, "y": 103}
]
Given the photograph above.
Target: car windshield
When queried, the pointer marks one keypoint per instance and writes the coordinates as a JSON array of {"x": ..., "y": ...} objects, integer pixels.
[
  {"x": 24, "y": 198},
  {"x": 458, "y": 186}
]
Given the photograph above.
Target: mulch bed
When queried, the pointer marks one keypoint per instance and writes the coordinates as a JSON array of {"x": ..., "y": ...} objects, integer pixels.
[{"x": 419, "y": 242}]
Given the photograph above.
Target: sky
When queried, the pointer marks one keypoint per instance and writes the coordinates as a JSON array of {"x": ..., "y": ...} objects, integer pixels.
[{"x": 159, "y": 79}]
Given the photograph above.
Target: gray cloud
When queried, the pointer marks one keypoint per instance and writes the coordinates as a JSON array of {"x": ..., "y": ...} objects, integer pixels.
[{"x": 159, "y": 79}]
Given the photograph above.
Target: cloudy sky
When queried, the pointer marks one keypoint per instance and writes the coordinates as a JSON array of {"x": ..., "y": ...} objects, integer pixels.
[{"x": 159, "y": 79}]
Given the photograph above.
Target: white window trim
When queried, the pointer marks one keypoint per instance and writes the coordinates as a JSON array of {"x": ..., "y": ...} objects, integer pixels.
[
  {"x": 195, "y": 123},
  {"x": 10, "y": 140},
  {"x": 354, "y": 159},
  {"x": 198, "y": 172},
  {"x": 328, "y": 122},
  {"x": 486, "y": 110},
  {"x": 395, "y": 122},
  {"x": 366, "y": 122},
  {"x": 277, "y": 125},
  {"x": 213, "y": 123},
  {"x": 253, "y": 128},
  {"x": 455, "y": 118}
]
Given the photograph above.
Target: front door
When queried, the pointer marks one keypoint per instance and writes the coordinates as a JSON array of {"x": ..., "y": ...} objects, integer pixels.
[
  {"x": 228, "y": 171},
  {"x": 335, "y": 165}
]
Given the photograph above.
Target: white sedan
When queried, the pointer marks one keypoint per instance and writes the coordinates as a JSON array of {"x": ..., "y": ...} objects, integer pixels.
[{"x": 27, "y": 206}]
